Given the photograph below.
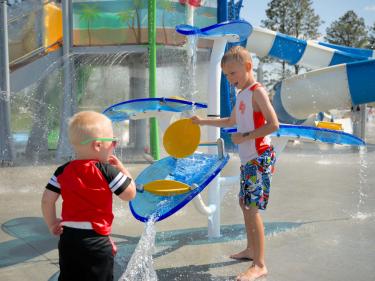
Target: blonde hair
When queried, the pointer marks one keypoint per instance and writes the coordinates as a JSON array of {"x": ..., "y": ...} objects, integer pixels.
[
  {"x": 238, "y": 54},
  {"x": 87, "y": 124}
]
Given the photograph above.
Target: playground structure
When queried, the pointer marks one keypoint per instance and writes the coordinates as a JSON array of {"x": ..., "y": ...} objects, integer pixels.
[
  {"x": 61, "y": 59},
  {"x": 116, "y": 34}
]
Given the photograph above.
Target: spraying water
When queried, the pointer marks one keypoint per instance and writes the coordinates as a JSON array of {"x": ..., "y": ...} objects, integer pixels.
[
  {"x": 188, "y": 85},
  {"x": 362, "y": 184},
  {"x": 140, "y": 266}
]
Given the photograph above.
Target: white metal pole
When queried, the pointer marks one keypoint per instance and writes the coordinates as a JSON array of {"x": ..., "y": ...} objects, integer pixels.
[
  {"x": 64, "y": 150},
  {"x": 213, "y": 132},
  {"x": 190, "y": 15}
]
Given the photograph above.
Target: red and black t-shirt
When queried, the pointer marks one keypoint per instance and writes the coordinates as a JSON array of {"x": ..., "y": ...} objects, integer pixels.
[{"x": 86, "y": 187}]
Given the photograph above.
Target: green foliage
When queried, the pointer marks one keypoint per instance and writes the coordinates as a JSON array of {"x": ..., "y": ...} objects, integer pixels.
[
  {"x": 165, "y": 5},
  {"x": 127, "y": 16},
  {"x": 349, "y": 30},
  {"x": 293, "y": 17},
  {"x": 371, "y": 37},
  {"x": 133, "y": 17},
  {"x": 296, "y": 18},
  {"x": 139, "y": 4},
  {"x": 89, "y": 14}
]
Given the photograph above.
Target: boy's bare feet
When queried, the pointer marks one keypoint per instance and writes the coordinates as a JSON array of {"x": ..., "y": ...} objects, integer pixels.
[
  {"x": 252, "y": 273},
  {"x": 243, "y": 255}
]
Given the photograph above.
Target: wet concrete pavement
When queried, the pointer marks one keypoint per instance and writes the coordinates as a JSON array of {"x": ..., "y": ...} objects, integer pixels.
[{"x": 320, "y": 223}]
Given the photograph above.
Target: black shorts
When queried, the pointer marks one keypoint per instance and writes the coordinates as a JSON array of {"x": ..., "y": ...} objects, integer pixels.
[{"x": 85, "y": 255}]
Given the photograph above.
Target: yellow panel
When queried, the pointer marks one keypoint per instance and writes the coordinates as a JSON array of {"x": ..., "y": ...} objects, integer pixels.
[
  {"x": 52, "y": 25},
  {"x": 181, "y": 138}
]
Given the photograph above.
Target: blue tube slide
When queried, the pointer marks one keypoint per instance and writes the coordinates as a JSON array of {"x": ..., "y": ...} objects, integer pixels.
[{"x": 342, "y": 75}]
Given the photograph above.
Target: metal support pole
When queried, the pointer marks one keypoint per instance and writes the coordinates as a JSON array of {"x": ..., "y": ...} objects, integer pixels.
[
  {"x": 359, "y": 120},
  {"x": 6, "y": 141},
  {"x": 137, "y": 89},
  {"x": 214, "y": 81},
  {"x": 64, "y": 150},
  {"x": 363, "y": 108}
]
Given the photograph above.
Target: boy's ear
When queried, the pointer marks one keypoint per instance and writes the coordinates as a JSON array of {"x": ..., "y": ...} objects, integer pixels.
[
  {"x": 248, "y": 66},
  {"x": 95, "y": 145}
]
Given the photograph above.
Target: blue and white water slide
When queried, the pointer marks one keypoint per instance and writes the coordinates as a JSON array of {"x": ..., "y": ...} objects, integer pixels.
[{"x": 342, "y": 76}]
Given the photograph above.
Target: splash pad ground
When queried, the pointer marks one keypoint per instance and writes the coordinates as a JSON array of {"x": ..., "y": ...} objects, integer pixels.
[{"x": 320, "y": 223}]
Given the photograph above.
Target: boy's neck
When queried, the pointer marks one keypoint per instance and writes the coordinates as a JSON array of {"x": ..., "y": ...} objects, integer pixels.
[{"x": 249, "y": 83}]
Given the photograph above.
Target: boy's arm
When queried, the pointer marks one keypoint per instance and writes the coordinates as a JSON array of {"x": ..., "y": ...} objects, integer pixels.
[
  {"x": 130, "y": 191},
  {"x": 49, "y": 199},
  {"x": 264, "y": 105},
  {"x": 219, "y": 122}
]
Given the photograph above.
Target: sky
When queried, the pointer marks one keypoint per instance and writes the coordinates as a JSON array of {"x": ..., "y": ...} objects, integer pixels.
[{"x": 329, "y": 10}]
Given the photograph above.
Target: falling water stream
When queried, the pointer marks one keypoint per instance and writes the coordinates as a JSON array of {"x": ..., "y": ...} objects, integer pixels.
[
  {"x": 363, "y": 163},
  {"x": 140, "y": 266}
]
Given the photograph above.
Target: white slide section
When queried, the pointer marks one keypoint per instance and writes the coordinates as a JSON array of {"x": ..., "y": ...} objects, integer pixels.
[{"x": 342, "y": 76}]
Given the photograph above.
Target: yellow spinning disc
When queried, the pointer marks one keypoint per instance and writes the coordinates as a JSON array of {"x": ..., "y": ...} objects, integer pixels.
[
  {"x": 181, "y": 138},
  {"x": 166, "y": 187}
]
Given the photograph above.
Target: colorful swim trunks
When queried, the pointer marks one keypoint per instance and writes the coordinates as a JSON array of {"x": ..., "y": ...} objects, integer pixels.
[{"x": 256, "y": 178}]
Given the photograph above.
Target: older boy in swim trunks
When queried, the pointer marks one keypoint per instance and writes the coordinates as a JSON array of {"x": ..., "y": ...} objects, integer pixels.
[{"x": 255, "y": 119}]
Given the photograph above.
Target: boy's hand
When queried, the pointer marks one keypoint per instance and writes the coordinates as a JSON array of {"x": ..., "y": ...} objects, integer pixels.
[
  {"x": 114, "y": 161},
  {"x": 196, "y": 120},
  {"x": 56, "y": 228}
]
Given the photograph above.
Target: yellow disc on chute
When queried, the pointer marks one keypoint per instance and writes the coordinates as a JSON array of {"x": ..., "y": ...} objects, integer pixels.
[
  {"x": 181, "y": 138},
  {"x": 177, "y": 98},
  {"x": 166, "y": 187},
  {"x": 330, "y": 125}
]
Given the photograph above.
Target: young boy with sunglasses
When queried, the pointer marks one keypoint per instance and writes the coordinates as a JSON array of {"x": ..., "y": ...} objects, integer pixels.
[{"x": 86, "y": 185}]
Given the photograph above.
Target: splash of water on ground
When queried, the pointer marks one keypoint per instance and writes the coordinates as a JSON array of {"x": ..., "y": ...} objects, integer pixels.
[
  {"x": 362, "y": 185},
  {"x": 140, "y": 266},
  {"x": 362, "y": 216}
]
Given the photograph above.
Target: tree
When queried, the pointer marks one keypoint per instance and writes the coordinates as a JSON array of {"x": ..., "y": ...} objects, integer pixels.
[
  {"x": 296, "y": 18},
  {"x": 132, "y": 17},
  {"x": 167, "y": 7},
  {"x": 371, "y": 38},
  {"x": 89, "y": 14},
  {"x": 127, "y": 16},
  {"x": 138, "y": 6},
  {"x": 349, "y": 30}
]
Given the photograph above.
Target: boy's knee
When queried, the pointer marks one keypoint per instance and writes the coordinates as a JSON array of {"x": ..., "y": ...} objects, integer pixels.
[
  {"x": 250, "y": 210},
  {"x": 241, "y": 202}
]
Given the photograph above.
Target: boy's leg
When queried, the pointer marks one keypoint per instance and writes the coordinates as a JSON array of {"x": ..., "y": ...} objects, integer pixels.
[
  {"x": 71, "y": 255},
  {"x": 255, "y": 187},
  {"x": 247, "y": 253},
  {"x": 85, "y": 256},
  {"x": 258, "y": 267}
]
